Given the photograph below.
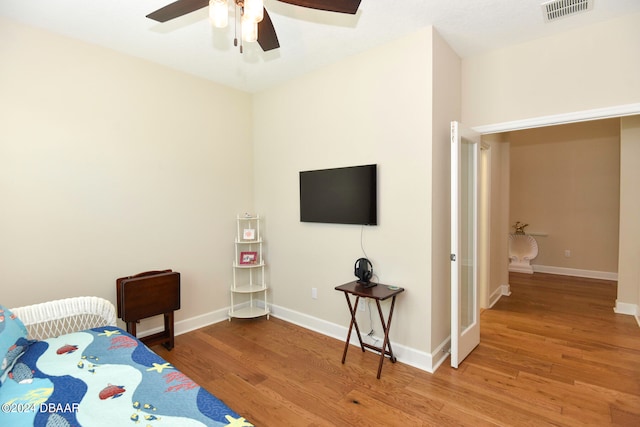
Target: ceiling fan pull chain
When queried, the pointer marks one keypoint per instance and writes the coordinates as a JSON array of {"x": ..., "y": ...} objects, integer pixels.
[{"x": 235, "y": 28}]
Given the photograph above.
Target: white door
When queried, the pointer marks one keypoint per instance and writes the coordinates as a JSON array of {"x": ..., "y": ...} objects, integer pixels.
[{"x": 465, "y": 312}]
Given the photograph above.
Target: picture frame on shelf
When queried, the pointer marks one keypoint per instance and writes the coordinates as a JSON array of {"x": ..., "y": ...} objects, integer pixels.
[
  {"x": 249, "y": 234},
  {"x": 248, "y": 258}
]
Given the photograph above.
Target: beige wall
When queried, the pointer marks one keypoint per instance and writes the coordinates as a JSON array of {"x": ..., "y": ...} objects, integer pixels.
[
  {"x": 109, "y": 166},
  {"x": 629, "y": 264},
  {"x": 446, "y": 95},
  {"x": 372, "y": 108},
  {"x": 565, "y": 182},
  {"x": 497, "y": 224},
  {"x": 591, "y": 67}
]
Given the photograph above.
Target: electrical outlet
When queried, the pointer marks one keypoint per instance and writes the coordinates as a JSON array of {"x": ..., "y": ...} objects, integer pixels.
[
  {"x": 362, "y": 306},
  {"x": 314, "y": 293},
  {"x": 567, "y": 253}
]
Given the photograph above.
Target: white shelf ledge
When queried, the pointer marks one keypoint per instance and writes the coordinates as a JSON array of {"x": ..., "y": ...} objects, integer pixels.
[
  {"x": 249, "y": 312},
  {"x": 236, "y": 265},
  {"x": 248, "y": 289},
  {"x": 249, "y": 242}
]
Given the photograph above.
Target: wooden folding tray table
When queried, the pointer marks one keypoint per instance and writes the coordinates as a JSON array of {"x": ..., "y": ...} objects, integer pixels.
[
  {"x": 149, "y": 294},
  {"x": 378, "y": 293}
]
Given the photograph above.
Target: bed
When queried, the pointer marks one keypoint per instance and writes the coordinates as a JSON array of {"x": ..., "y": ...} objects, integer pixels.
[{"x": 66, "y": 363}]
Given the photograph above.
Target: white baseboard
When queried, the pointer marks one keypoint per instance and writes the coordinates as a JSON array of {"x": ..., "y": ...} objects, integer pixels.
[
  {"x": 522, "y": 269},
  {"x": 197, "y": 322},
  {"x": 626, "y": 308},
  {"x": 190, "y": 324},
  {"x": 441, "y": 353},
  {"x": 410, "y": 356},
  {"x": 502, "y": 290},
  {"x": 590, "y": 274},
  {"x": 629, "y": 309}
]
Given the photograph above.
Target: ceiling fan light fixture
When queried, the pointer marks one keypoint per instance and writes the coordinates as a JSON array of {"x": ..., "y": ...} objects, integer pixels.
[
  {"x": 249, "y": 29},
  {"x": 251, "y": 10},
  {"x": 219, "y": 13},
  {"x": 254, "y": 9}
]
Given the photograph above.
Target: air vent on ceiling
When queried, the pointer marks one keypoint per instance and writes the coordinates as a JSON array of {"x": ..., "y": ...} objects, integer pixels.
[{"x": 557, "y": 9}]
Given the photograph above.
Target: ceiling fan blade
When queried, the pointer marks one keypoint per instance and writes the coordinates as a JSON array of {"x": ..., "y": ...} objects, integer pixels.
[
  {"x": 342, "y": 6},
  {"x": 176, "y": 9},
  {"x": 267, "y": 37}
]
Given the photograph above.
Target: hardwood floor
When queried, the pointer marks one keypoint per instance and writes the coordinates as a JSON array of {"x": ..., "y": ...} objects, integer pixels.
[{"x": 553, "y": 353}]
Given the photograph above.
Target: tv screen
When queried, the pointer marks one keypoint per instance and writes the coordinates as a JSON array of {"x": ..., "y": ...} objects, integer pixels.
[{"x": 339, "y": 196}]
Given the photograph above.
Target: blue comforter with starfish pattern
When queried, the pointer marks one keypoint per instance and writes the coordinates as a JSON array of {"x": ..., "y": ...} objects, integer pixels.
[{"x": 105, "y": 377}]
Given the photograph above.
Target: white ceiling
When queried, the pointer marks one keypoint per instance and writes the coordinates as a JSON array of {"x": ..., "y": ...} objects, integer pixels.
[{"x": 309, "y": 39}]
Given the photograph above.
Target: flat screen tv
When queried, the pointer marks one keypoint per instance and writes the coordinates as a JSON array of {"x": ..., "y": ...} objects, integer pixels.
[{"x": 340, "y": 196}]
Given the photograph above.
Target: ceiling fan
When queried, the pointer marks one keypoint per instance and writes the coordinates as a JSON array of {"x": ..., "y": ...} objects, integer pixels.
[{"x": 266, "y": 33}]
